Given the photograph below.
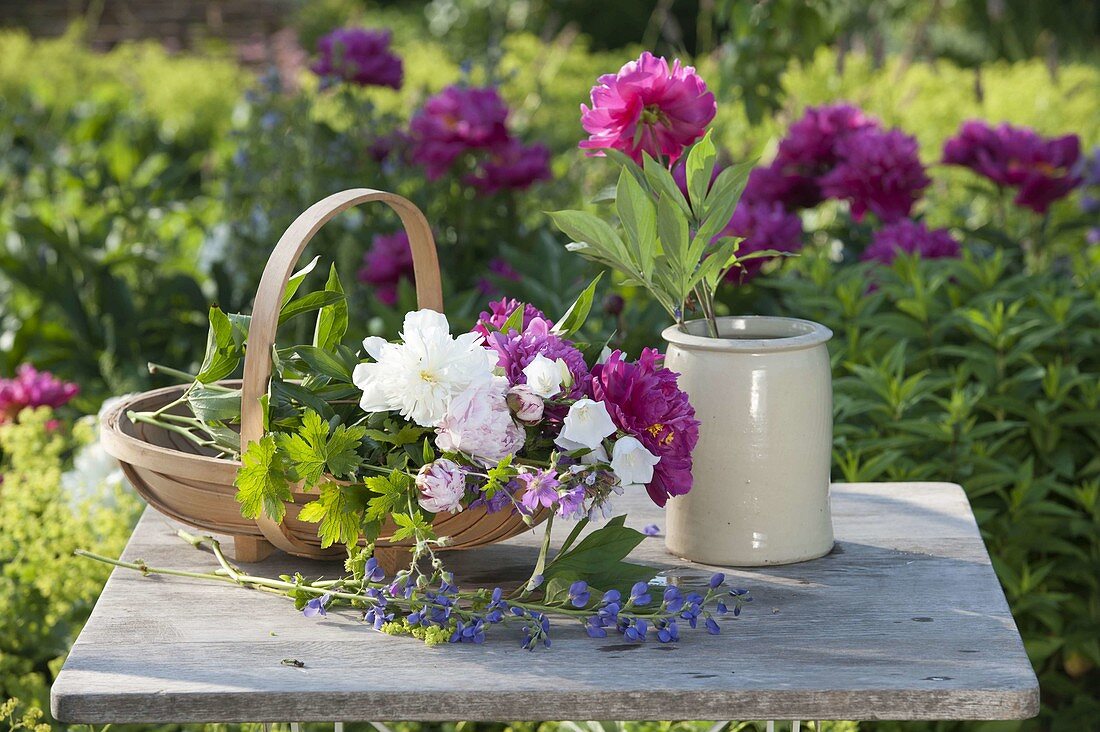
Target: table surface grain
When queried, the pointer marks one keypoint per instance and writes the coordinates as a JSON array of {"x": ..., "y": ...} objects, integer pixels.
[{"x": 905, "y": 619}]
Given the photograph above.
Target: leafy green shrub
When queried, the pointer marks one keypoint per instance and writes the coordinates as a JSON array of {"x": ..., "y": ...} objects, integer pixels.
[
  {"x": 45, "y": 592},
  {"x": 972, "y": 372}
]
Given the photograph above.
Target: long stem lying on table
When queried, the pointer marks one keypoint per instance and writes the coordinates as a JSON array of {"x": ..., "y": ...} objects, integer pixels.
[{"x": 436, "y": 611}]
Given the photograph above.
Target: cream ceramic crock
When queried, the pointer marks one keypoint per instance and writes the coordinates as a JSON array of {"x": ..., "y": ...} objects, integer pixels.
[{"x": 763, "y": 395}]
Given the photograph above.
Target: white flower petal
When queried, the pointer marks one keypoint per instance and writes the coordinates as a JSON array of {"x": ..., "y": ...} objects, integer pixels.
[
  {"x": 587, "y": 423},
  {"x": 632, "y": 462}
]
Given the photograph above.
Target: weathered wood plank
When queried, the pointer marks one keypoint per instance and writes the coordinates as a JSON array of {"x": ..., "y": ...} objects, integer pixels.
[{"x": 905, "y": 620}]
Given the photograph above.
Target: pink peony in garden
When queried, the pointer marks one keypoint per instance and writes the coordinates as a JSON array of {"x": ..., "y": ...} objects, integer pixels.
[
  {"x": 33, "y": 388},
  {"x": 386, "y": 263},
  {"x": 648, "y": 107},
  {"x": 361, "y": 56},
  {"x": 879, "y": 172},
  {"x": 1042, "y": 170},
  {"x": 911, "y": 237},
  {"x": 644, "y": 400},
  {"x": 455, "y": 121}
]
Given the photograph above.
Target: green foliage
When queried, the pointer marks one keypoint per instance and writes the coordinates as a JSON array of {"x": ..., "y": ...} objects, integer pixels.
[
  {"x": 46, "y": 593},
  {"x": 262, "y": 485},
  {"x": 973, "y": 372}
]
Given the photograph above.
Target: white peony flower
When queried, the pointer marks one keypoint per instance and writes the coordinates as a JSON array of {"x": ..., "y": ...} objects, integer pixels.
[
  {"x": 587, "y": 423},
  {"x": 547, "y": 378},
  {"x": 479, "y": 423},
  {"x": 632, "y": 462},
  {"x": 420, "y": 376}
]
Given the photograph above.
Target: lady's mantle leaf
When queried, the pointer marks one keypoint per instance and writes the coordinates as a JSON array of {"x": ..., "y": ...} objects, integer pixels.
[{"x": 261, "y": 482}]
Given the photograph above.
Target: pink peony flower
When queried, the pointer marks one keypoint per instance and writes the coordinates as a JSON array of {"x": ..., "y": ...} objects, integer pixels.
[
  {"x": 878, "y": 171},
  {"x": 33, "y": 388},
  {"x": 763, "y": 226},
  {"x": 512, "y": 167},
  {"x": 456, "y": 121},
  {"x": 912, "y": 237},
  {"x": 387, "y": 262},
  {"x": 645, "y": 401},
  {"x": 479, "y": 423},
  {"x": 442, "y": 485},
  {"x": 516, "y": 350},
  {"x": 360, "y": 56},
  {"x": 500, "y": 310},
  {"x": 648, "y": 107}
]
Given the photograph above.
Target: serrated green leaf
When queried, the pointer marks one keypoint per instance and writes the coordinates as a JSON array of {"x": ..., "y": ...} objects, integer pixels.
[
  {"x": 338, "y": 516},
  {"x": 392, "y": 493},
  {"x": 262, "y": 485}
]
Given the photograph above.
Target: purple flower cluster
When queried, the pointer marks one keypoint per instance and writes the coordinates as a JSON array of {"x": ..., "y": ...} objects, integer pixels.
[
  {"x": 386, "y": 263},
  {"x": 461, "y": 121},
  {"x": 499, "y": 312},
  {"x": 1041, "y": 170},
  {"x": 912, "y": 237},
  {"x": 1090, "y": 199},
  {"x": 359, "y": 56},
  {"x": 33, "y": 388},
  {"x": 645, "y": 401},
  {"x": 515, "y": 350},
  {"x": 763, "y": 225}
]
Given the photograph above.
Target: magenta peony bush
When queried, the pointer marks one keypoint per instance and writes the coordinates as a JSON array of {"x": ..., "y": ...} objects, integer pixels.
[{"x": 360, "y": 56}]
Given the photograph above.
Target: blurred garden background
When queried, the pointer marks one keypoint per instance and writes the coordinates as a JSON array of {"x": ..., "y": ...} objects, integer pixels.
[{"x": 934, "y": 163}]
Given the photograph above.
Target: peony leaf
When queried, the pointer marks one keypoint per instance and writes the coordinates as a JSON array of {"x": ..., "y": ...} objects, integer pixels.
[
  {"x": 663, "y": 184},
  {"x": 698, "y": 168},
  {"x": 574, "y": 317},
  {"x": 332, "y": 319},
  {"x": 639, "y": 217},
  {"x": 296, "y": 280}
]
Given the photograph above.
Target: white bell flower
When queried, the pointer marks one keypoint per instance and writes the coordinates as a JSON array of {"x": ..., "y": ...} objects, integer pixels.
[
  {"x": 632, "y": 462},
  {"x": 547, "y": 377},
  {"x": 587, "y": 424}
]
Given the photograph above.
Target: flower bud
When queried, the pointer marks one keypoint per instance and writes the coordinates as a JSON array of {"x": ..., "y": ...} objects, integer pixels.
[{"x": 525, "y": 404}]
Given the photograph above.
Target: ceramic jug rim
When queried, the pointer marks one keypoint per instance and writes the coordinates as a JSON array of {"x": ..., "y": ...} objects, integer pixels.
[{"x": 749, "y": 333}]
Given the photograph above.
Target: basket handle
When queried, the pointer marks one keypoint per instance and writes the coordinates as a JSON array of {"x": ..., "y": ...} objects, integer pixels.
[{"x": 269, "y": 297}]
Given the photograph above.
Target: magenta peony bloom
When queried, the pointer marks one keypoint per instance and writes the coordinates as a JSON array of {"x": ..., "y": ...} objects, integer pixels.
[
  {"x": 455, "y": 121},
  {"x": 911, "y": 237},
  {"x": 360, "y": 56},
  {"x": 1042, "y": 170},
  {"x": 512, "y": 167},
  {"x": 793, "y": 190},
  {"x": 878, "y": 171},
  {"x": 388, "y": 260},
  {"x": 33, "y": 388},
  {"x": 517, "y": 350},
  {"x": 763, "y": 226},
  {"x": 644, "y": 401},
  {"x": 648, "y": 107}
]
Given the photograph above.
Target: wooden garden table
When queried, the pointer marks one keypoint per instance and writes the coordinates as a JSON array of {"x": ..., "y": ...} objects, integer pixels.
[{"x": 904, "y": 620}]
